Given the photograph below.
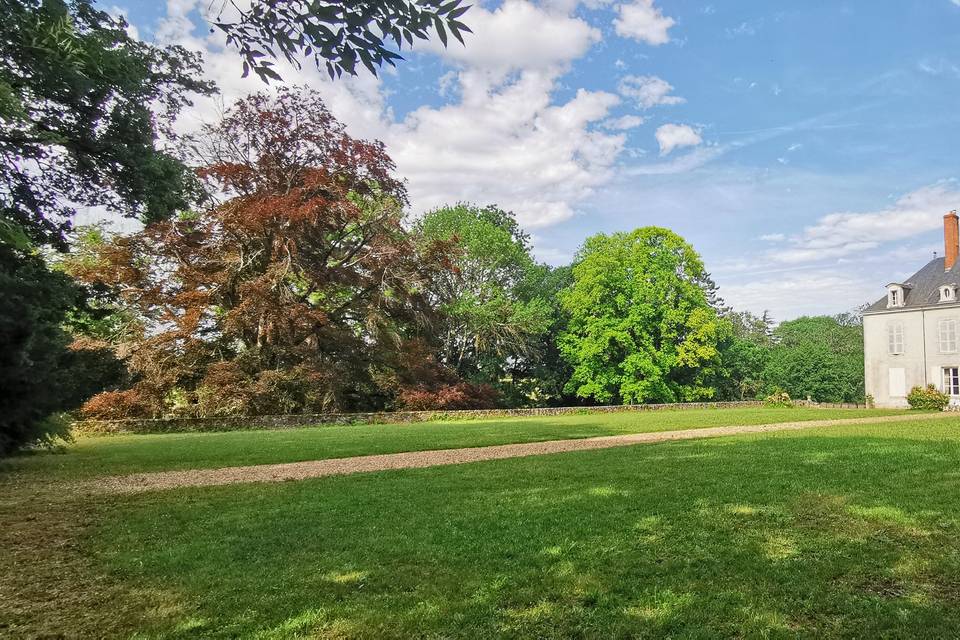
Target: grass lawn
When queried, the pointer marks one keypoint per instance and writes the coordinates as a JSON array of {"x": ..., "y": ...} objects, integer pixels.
[
  {"x": 834, "y": 532},
  {"x": 103, "y": 455}
]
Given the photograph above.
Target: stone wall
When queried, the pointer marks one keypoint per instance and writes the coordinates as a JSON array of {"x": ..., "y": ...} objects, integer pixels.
[{"x": 178, "y": 425}]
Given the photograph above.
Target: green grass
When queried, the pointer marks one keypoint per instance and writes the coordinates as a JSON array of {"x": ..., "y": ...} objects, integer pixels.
[
  {"x": 90, "y": 456},
  {"x": 851, "y": 531},
  {"x": 830, "y": 532}
]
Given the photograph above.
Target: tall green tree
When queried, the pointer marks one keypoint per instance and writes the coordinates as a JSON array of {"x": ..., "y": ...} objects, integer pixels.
[
  {"x": 82, "y": 105},
  {"x": 820, "y": 357},
  {"x": 641, "y": 326},
  {"x": 495, "y": 311},
  {"x": 82, "y": 109}
]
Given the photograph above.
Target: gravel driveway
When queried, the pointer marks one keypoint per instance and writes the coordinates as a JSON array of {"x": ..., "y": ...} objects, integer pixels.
[{"x": 417, "y": 459}]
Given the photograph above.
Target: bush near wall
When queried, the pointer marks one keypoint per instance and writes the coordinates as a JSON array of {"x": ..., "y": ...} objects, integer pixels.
[{"x": 929, "y": 398}]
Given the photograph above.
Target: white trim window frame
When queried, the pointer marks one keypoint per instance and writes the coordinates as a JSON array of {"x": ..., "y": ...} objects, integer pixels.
[
  {"x": 951, "y": 381},
  {"x": 894, "y": 298},
  {"x": 895, "y": 338},
  {"x": 947, "y": 332}
]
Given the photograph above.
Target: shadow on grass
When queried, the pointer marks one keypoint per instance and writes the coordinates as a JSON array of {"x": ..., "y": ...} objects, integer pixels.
[{"x": 814, "y": 535}]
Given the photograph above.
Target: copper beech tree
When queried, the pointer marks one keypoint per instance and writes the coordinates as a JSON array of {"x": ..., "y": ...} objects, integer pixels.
[{"x": 296, "y": 290}]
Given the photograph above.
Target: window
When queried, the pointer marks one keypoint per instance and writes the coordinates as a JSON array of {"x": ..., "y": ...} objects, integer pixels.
[
  {"x": 894, "y": 297},
  {"x": 951, "y": 381},
  {"x": 946, "y": 294},
  {"x": 948, "y": 336},
  {"x": 895, "y": 338}
]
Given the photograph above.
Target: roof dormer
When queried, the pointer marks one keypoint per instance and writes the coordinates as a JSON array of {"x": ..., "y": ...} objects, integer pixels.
[
  {"x": 896, "y": 294},
  {"x": 948, "y": 292}
]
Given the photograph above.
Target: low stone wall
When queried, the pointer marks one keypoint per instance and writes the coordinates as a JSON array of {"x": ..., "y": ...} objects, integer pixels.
[
  {"x": 179, "y": 425},
  {"x": 834, "y": 405}
]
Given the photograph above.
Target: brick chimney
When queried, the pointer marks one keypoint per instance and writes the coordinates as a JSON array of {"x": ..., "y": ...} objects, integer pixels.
[{"x": 951, "y": 238}]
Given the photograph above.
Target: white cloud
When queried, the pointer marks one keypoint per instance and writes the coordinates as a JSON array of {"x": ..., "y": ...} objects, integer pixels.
[
  {"x": 623, "y": 123},
  {"x": 648, "y": 91},
  {"x": 502, "y": 139},
  {"x": 773, "y": 237},
  {"x": 519, "y": 35},
  {"x": 747, "y": 28},
  {"x": 642, "y": 21},
  {"x": 673, "y": 136},
  {"x": 845, "y": 233},
  {"x": 788, "y": 295},
  {"x": 938, "y": 67},
  {"x": 681, "y": 164}
]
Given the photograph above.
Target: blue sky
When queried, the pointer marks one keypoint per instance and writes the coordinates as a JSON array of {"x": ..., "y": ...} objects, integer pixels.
[{"x": 806, "y": 150}]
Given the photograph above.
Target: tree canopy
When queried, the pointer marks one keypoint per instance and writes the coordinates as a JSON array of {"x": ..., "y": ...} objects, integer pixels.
[
  {"x": 641, "y": 327},
  {"x": 82, "y": 104},
  {"x": 493, "y": 312},
  {"x": 820, "y": 357},
  {"x": 301, "y": 291}
]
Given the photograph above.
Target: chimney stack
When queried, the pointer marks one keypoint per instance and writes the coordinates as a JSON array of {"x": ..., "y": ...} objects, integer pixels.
[{"x": 951, "y": 238}]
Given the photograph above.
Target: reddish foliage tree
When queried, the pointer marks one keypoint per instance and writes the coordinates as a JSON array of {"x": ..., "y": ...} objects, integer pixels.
[{"x": 298, "y": 290}]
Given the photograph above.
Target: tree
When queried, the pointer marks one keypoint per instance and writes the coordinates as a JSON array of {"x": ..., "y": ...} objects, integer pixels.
[
  {"x": 494, "y": 313},
  {"x": 338, "y": 35},
  {"x": 301, "y": 291},
  {"x": 81, "y": 107},
  {"x": 820, "y": 357},
  {"x": 641, "y": 328},
  {"x": 42, "y": 370},
  {"x": 542, "y": 379},
  {"x": 744, "y": 355}
]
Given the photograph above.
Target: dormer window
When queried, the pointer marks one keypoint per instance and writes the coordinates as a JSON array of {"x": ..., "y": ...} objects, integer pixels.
[
  {"x": 948, "y": 293},
  {"x": 895, "y": 297}
]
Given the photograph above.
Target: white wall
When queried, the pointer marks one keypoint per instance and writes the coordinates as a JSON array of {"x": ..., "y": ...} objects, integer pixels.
[{"x": 921, "y": 361}]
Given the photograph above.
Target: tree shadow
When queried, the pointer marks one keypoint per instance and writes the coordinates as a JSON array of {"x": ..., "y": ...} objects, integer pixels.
[{"x": 814, "y": 535}]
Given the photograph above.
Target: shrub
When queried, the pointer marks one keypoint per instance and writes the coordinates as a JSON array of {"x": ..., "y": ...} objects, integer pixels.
[
  {"x": 779, "y": 399},
  {"x": 117, "y": 405},
  {"x": 462, "y": 395},
  {"x": 928, "y": 398}
]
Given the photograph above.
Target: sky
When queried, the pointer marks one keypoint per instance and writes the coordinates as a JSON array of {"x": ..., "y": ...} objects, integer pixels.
[{"x": 807, "y": 151}]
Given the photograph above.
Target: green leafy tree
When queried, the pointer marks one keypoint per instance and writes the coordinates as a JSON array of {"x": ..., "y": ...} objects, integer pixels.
[
  {"x": 744, "y": 355},
  {"x": 541, "y": 380},
  {"x": 820, "y": 357},
  {"x": 43, "y": 371},
  {"x": 495, "y": 312},
  {"x": 338, "y": 35},
  {"x": 641, "y": 327},
  {"x": 81, "y": 107}
]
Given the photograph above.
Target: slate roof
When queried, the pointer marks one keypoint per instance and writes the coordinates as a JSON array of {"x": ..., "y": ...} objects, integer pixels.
[{"x": 922, "y": 288}]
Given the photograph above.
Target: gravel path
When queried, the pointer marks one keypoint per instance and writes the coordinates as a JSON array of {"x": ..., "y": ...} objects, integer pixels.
[{"x": 417, "y": 459}]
